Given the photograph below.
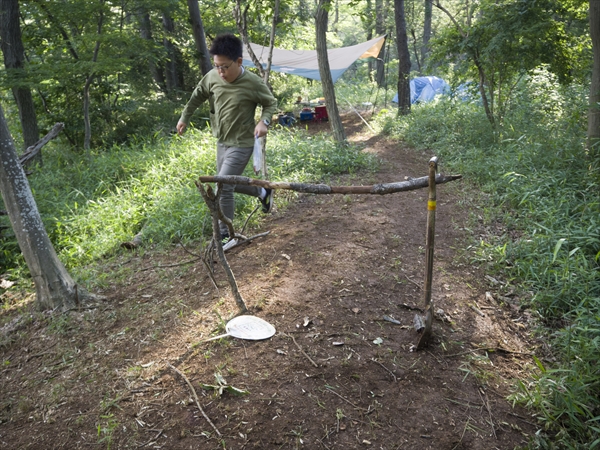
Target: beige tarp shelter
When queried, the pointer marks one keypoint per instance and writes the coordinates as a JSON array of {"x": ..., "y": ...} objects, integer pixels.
[{"x": 305, "y": 64}]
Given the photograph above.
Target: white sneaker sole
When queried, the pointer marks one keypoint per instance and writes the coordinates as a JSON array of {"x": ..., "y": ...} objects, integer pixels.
[{"x": 229, "y": 244}]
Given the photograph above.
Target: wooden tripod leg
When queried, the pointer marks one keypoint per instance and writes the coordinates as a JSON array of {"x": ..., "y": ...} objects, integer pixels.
[{"x": 429, "y": 245}]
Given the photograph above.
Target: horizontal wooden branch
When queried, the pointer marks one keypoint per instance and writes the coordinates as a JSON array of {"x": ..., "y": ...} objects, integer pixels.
[{"x": 381, "y": 189}]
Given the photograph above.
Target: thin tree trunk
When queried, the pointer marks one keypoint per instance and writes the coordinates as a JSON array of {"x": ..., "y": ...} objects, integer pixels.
[
  {"x": 146, "y": 34},
  {"x": 480, "y": 70},
  {"x": 369, "y": 25},
  {"x": 593, "y": 134},
  {"x": 199, "y": 36},
  {"x": 242, "y": 26},
  {"x": 54, "y": 286},
  {"x": 14, "y": 59},
  {"x": 335, "y": 120},
  {"x": 60, "y": 28},
  {"x": 172, "y": 77},
  {"x": 415, "y": 50},
  {"x": 88, "y": 82},
  {"x": 426, "y": 30},
  {"x": 403, "y": 57},
  {"x": 380, "y": 30},
  {"x": 271, "y": 44}
]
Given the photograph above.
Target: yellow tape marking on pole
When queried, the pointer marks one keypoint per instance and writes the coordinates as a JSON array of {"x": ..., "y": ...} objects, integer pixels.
[{"x": 431, "y": 204}]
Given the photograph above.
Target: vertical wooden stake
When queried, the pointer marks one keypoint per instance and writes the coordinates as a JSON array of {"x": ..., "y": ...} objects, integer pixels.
[{"x": 429, "y": 245}]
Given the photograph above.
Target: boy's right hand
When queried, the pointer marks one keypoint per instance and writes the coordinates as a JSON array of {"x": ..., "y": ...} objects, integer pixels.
[{"x": 180, "y": 127}]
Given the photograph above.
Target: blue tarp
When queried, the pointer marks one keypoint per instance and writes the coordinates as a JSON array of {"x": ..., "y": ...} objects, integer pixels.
[{"x": 424, "y": 89}]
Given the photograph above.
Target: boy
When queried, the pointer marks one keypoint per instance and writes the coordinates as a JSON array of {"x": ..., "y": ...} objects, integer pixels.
[{"x": 233, "y": 94}]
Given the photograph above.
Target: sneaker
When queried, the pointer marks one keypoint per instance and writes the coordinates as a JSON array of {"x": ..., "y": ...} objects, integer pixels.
[
  {"x": 226, "y": 242},
  {"x": 229, "y": 244},
  {"x": 267, "y": 202}
]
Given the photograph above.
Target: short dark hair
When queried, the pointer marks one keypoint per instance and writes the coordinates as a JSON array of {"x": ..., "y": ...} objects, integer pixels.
[{"x": 227, "y": 45}]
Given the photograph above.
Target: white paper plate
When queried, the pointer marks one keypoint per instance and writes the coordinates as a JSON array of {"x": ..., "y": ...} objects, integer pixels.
[{"x": 248, "y": 327}]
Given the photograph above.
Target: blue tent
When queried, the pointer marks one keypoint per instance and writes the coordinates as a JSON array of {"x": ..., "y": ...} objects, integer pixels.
[{"x": 424, "y": 89}]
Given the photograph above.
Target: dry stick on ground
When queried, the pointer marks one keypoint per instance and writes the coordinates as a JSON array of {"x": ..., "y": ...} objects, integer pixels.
[
  {"x": 486, "y": 402},
  {"x": 212, "y": 202},
  {"x": 302, "y": 351},
  {"x": 343, "y": 398},
  {"x": 488, "y": 349},
  {"x": 195, "y": 397},
  {"x": 391, "y": 373}
]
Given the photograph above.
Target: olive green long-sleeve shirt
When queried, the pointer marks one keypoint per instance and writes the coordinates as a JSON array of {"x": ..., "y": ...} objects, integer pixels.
[{"x": 232, "y": 106}]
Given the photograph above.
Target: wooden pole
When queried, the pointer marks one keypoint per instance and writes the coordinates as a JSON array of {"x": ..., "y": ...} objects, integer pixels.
[{"x": 429, "y": 245}]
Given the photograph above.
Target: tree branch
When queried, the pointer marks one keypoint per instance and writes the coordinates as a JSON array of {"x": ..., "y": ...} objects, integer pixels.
[
  {"x": 380, "y": 189},
  {"x": 35, "y": 148}
]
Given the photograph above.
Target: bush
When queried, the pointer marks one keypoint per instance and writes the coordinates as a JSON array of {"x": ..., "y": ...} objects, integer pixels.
[{"x": 537, "y": 182}]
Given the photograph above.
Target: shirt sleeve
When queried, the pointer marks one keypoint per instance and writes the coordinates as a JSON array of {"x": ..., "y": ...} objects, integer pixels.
[{"x": 199, "y": 96}]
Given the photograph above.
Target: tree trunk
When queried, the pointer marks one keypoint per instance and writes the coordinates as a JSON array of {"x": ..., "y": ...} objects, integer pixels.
[
  {"x": 593, "y": 133},
  {"x": 324, "y": 70},
  {"x": 199, "y": 36},
  {"x": 242, "y": 26},
  {"x": 172, "y": 77},
  {"x": 146, "y": 33},
  {"x": 369, "y": 24},
  {"x": 403, "y": 58},
  {"x": 86, "y": 89},
  {"x": 271, "y": 44},
  {"x": 14, "y": 58},
  {"x": 426, "y": 30},
  {"x": 54, "y": 286},
  {"x": 489, "y": 111},
  {"x": 380, "y": 30}
]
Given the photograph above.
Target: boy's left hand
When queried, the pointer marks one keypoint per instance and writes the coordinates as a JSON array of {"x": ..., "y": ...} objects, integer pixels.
[{"x": 261, "y": 129}]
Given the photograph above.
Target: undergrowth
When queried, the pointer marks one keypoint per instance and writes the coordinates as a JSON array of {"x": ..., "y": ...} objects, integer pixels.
[
  {"x": 93, "y": 201},
  {"x": 541, "y": 186}
]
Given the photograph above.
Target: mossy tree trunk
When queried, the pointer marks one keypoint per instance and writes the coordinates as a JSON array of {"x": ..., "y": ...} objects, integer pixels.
[{"x": 54, "y": 286}]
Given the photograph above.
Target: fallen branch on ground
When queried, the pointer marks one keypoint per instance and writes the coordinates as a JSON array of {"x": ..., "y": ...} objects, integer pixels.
[
  {"x": 195, "y": 397},
  {"x": 302, "y": 351}
]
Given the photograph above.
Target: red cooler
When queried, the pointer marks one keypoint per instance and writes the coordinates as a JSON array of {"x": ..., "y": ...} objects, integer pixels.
[{"x": 321, "y": 113}]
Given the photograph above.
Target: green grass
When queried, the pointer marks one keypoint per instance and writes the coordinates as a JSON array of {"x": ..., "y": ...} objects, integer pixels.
[
  {"x": 92, "y": 202},
  {"x": 533, "y": 177}
]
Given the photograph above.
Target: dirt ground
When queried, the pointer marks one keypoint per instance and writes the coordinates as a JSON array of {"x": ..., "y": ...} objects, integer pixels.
[{"x": 337, "y": 374}]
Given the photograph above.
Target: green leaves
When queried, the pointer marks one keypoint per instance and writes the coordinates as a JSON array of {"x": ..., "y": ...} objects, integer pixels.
[{"x": 222, "y": 387}]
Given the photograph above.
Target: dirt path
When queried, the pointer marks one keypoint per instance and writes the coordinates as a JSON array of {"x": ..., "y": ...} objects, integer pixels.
[{"x": 336, "y": 375}]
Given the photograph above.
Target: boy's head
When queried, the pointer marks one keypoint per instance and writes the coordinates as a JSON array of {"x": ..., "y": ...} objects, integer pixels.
[
  {"x": 227, "y": 51},
  {"x": 227, "y": 45}
]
